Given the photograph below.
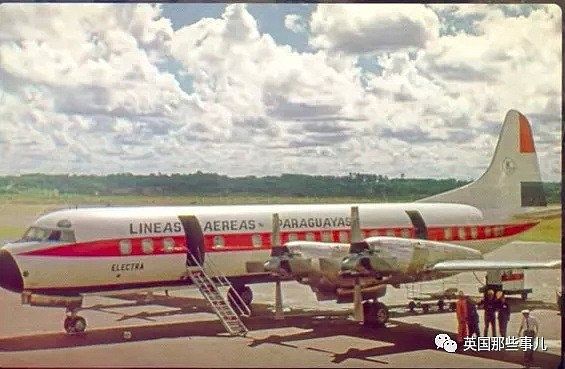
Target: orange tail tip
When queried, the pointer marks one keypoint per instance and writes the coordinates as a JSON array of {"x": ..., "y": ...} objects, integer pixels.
[{"x": 526, "y": 138}]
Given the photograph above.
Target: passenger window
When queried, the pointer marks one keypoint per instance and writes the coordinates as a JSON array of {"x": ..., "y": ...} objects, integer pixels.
[
  {"x": 147, "y": 246},
  {"x": 326, "y": 236},
  {"x": 292, "y": 237},
  {"x": 488, "y": 231},
  {"x": 390, "y": 232},
  {"x": 218, "y": 242},
  {"x": 125, "y": 247},
  {"x": 257, "y": 241},
  {"x": 498, "y": 231},
  {"x": 474, "y": 232},
  {"x": 374, "y": 233},
  {"x": 310, "y": 236},
  {"x": 406, "y": 233},
  {"x": 343, "y": 237},
  {"x": 447, "y": 233},
  {"x": 462, "y": 235},
  {"x": 168, "y": 245}
]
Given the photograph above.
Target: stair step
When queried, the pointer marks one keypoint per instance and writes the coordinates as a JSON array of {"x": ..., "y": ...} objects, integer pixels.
[{"x": 209, "y": 288}]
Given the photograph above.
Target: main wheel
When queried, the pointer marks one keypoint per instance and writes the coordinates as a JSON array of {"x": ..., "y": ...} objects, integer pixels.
[
  {"x": 246, "y": 295},
  {"x": 368, "y": 313},
  {"x": 381, "y": 314},
  {"x": 375, "y": 314}
]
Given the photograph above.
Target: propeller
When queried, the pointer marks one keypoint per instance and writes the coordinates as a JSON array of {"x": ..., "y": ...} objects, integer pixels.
[
  {"x": 285, "y": 262},
  {"x": 350, "y": 264},
  {"x": 278, "y": 263},
  {"x": 360, "y": 253}
]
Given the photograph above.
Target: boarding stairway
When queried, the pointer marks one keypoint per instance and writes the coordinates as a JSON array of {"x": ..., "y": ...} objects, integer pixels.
[{"x": 210, "y": 288}]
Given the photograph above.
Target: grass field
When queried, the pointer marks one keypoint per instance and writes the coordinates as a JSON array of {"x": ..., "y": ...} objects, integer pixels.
[
  {"x": 549, "y": 230},
  {"x": 17, "y": 212}
]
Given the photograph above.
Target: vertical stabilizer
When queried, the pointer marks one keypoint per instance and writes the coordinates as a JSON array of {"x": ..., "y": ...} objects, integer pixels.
[{"x": 512, "y": 182}]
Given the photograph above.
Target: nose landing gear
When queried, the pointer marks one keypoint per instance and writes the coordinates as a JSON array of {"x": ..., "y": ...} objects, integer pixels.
[{"x": 74, "y": 324}]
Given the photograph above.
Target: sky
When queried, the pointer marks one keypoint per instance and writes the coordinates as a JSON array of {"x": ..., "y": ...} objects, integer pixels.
[{"x": 265, "y": 89}]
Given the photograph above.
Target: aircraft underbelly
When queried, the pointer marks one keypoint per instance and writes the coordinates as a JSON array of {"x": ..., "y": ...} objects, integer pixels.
[{"x": 65, "y": 272}]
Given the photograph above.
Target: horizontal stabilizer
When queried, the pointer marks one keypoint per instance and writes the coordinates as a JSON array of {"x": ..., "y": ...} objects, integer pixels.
[{"x": 485, "y": 265}]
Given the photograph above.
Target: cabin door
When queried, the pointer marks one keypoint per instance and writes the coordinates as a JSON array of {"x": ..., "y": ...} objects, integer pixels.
[
  {"x": 418, "y": 223},
  {"x": 194, "y": 238}
]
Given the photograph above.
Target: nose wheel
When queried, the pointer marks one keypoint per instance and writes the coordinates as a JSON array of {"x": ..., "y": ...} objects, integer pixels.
[{"x": 74, "y": 324}]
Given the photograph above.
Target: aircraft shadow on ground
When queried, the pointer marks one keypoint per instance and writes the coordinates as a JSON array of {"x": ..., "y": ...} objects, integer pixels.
[{"x": 398, "y": 338}]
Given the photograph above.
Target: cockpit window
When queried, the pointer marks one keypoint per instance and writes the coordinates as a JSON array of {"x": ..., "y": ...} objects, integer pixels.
[{"x": 50, "y": 235}]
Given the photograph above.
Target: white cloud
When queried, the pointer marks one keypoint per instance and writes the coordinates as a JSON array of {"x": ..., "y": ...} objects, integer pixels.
[
  {"x": 363, "y": 28},
  {"x": 294, "y": 23},
  {"x": 86, "y": 88}
]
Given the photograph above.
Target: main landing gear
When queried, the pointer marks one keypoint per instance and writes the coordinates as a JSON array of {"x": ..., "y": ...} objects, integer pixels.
[
  {"x": 244, "y": 292},
  {"x": 375, "y": 314},
  {"x": 74, "y": 324}
]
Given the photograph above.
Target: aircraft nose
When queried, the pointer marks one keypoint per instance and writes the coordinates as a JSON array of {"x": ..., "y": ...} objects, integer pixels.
[{"x": 10, "y": 276}]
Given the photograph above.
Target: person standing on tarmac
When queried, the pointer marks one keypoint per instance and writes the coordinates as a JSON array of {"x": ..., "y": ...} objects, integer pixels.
[
  {"x": 462, "y": 317},
  {"x": 473, "y": 318},
  {"x": 530, "y": 328},
  {"x": 489, "y": 304},
  {"x": 503, "y": 314}
]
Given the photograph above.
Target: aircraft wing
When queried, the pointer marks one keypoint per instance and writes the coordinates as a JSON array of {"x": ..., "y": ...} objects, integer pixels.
[{"x": 485, "y": 265}]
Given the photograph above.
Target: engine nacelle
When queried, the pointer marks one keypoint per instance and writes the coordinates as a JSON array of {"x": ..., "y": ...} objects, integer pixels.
[
  {"x": 289, "y": 265},
  {"x": 370, "y": 261},
  {"x": 345, "y": 295}
]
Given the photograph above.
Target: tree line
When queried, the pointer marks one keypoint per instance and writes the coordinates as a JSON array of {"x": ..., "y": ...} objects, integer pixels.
[{"x": 358, "y": 185}]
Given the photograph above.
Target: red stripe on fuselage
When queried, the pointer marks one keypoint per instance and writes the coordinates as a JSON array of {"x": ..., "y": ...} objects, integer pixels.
[{"x": 244, "y": 241}]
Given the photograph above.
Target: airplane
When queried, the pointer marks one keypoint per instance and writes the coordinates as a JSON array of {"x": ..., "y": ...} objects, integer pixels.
[{"x": 344, "y": 252}]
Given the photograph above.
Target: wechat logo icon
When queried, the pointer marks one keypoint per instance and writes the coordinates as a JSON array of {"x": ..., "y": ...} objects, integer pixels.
[{"x": 445, "y": 342}]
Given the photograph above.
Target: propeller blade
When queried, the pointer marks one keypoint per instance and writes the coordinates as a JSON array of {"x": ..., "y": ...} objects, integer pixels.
[
  {"x": 356, "y": 235},
  {"x": 276, "y": 231}
]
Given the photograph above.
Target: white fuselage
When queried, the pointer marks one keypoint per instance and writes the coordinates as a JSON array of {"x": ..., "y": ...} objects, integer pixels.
[{"x": 109, "y": 248}]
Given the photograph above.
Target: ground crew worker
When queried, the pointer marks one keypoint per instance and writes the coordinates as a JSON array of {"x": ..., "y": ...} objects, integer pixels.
[
  {"x": 489, "y": 304},
  {"x": 530, "y": 328},
  {"x": 473, "y": 318},
  {"x": 462, "y": 317},
  {"x": 503, "y": 315}
]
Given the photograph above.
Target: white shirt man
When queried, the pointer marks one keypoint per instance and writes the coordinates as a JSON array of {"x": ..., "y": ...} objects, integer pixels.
[
  {"x": 529, "y": 325},
  {"x": 530, "y": 328}
]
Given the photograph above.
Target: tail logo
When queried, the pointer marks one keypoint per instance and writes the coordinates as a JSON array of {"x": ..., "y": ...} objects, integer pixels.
[{"x": 508, "y": 166}]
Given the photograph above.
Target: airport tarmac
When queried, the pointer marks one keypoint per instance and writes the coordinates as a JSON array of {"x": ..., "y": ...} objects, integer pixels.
[{"x": 181, "y": 331}]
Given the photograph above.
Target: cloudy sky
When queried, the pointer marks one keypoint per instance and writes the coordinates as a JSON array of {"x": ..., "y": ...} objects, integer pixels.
[{"x": 264, "y": 89}]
